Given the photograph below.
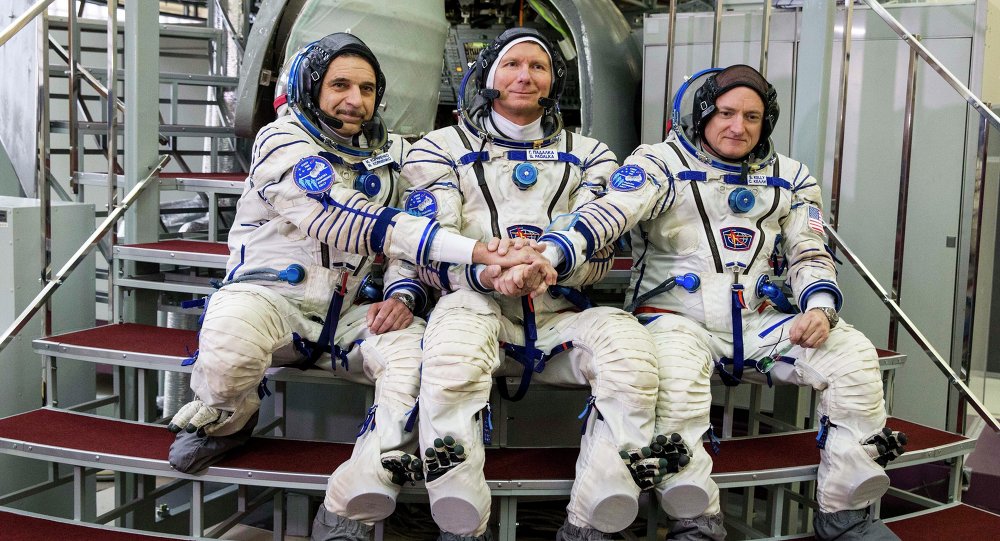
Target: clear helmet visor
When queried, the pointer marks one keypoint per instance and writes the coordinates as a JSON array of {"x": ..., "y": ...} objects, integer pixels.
[
  {"x": 682, "y": 122},
  {"x": 681, "y": 112},
  {"x": 281, "y": 86}
]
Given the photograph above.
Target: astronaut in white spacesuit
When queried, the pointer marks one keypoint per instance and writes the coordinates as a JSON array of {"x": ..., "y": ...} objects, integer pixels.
[
  {"x": 717, "y": 214},
  {"x": 509, "y": 169},
  {"x": 302, "y": 282}
]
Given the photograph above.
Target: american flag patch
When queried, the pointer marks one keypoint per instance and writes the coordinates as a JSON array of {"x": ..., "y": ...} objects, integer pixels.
[{"x": 816, "y": 219}]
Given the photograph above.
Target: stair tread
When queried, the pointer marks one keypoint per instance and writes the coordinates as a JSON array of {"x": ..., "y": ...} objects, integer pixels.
[
  {"x": 132, "y": 337},
  {"x": 197, "y": 253},
  {"x": 958, "y": 522},
  {"x": 184, "y": 245},
  {"x": 161, "y": 340},
  {"x": 161, "y": 348},
  {"x": 52, "y": 432}
]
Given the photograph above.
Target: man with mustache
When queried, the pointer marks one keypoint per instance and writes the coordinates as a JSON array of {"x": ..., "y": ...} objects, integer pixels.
[{"x": 303, "y": 282}]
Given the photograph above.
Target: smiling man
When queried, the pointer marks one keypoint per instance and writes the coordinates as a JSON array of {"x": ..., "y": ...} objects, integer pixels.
[{"x": 510, "y": 170}]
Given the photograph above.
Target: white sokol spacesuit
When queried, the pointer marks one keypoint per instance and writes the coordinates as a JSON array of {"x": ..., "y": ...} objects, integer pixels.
[
  {"x": 708, "y": 237},
  {"x": 478, "y": 179},
  {"x": 313, "y": 219}
]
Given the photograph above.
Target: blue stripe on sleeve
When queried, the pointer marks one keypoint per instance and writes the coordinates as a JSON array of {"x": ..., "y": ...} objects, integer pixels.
[
  {"x": 587, "y": 236},
  {"x": 598, "y": 219},
  {"x": 442, "y": 271},
  {"x": 426, "y": 240},
  {"x": 569, "y": 256},
  {"x": 821, "y": 285},
  {"x": 382, "y": 223},
  {"x": 472, "y": 276}
]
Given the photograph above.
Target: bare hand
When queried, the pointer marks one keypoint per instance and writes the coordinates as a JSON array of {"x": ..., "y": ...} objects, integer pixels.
[
  {"x": 810, "y": 329},
  {"x": 514, "y": 252},
  {"x": 503, "y": 246},
  {"x": 521, "y": 280},
  {"x": 388, "y": 316}
]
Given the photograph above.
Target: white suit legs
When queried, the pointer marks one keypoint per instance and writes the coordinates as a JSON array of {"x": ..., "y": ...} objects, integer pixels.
[
  {"x": 611, "y": 352},
  {"x": 243, "y": 326},
  {"x": 615, "y": 355},
  {"x": 461, "y": 352},
  {"x": 361, "y": 489},
  {"x": 845, "y": 369},
  {"x": 684, "y": 406}
]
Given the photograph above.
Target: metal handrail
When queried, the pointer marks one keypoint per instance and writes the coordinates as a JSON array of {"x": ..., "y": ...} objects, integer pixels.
[
  {"x": 936, "y": 64},
  {"x": 23, "y": 20},
  {"x": 908, "y": 324},
  {"x": 987, "y": 117},
  {"x": 43, "y": 296},
  {"x": 902, "y": 201}
]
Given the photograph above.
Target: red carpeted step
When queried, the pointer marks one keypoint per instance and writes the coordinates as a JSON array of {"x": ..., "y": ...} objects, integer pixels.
[
  {"x": 799, "y": 449},
  {"x": 17, "y": 527},
  {"x": 102, "y": 436},
  {"x": 959, "y": 523},
  {"x": 110, "y": 437},
  {"x": 181, "y": 245},
  {"x": 133, "y": 337},
  {"x": 739, "y": 455},
  {"x": 556, "y": 463}
]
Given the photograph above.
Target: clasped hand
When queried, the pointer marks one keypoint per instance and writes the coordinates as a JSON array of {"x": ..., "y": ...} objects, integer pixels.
[{"x": 517, "y": 268}]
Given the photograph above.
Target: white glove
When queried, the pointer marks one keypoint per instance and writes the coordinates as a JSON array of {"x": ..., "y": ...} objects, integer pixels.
[{"x": 195, "y": 415}]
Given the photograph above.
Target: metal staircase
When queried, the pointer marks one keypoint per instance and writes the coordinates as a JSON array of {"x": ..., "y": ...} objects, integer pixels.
[{"x": 765, "y": 468}]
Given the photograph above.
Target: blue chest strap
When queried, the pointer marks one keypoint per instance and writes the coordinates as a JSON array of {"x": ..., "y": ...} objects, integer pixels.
[
  {"x": 750, "y": 180},
  {"x": 518, "y": 156}
]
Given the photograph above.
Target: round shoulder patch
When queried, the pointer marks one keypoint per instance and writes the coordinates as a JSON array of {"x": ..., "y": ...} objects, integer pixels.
[
  {"x": 628, "y": 178},
  {"x": 313, "y": 174},
  {"x": 421, "y": 203}
]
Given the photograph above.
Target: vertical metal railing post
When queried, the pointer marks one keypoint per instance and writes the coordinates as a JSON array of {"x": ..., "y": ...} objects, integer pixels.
[
  {"x": 73, "y": 93},
  {"x": 838, "y": 154},
  {"x": 717, "y": 33},
  {"x": 765, "y": 37},
  {"x": 904, "y": 191},
  {"x": 974, "y": 242},
  {"x": 111, "y": 116},
  {"x": 668, "y": 95},
  {"x": 45, "y": 197}
]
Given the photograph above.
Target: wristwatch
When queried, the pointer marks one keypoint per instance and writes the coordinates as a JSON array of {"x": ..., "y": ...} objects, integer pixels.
[
  {"x": 408, "y": 301},
  {"x": 832, "y": 317}
]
